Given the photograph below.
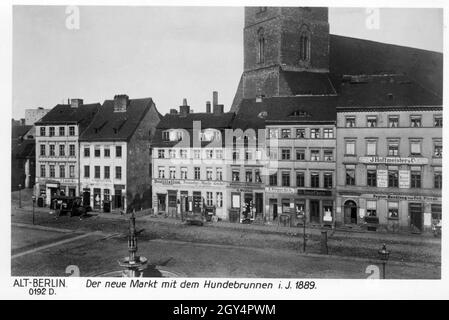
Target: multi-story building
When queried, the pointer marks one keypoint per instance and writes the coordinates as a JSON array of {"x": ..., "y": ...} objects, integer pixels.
[
  {"x": 299, "y": 154},
  {"x": 57, "y": 148},
  {"x": 22, "y": 157},
  {"x": 389, "y": 153},
  {"x": 34, "y": 115},
  {"x": 189, "y": 165},
  {"x": 115, "y": 155}
]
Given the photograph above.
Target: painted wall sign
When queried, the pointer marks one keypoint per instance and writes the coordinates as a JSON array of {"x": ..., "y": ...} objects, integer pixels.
[
  {"x": 393, "y": 160},
  {"x": 279, "y": 190},
  {"x": 404, "y": 179},
  {"x": 382, "y": 178}
]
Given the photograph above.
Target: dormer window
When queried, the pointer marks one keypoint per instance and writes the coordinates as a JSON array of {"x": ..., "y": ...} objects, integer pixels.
[
  {"x": 172, "y": 135},
  {"x": 210, "y": 135}
]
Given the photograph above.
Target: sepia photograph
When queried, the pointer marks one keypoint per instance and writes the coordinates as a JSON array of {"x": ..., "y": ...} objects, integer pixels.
[{"x": 226, "y": 143}]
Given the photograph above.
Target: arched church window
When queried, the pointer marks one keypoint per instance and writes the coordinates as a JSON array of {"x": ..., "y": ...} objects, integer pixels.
[
  {"x": 304, "y": 47},
  {"x": 260, "y": 46}
]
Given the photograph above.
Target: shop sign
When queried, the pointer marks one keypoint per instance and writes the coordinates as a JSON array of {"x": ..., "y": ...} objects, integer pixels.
[
  {"x": 404, "y": 179},
  {"x": 393, "y": 160},
  {"x": 188, "y": 182},
  {"x": 52, "y": 185},
  {"x": 402, "y": 197},
  {"x": 279, "y": 190},
  {"x": 382, "y": 178},
  {"x": 314, "y": 192}
]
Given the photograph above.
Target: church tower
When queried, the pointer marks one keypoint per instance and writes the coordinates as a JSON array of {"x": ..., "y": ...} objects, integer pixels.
[{"x": 286, "y": 52}]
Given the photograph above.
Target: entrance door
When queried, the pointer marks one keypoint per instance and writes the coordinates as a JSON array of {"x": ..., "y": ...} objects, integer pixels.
[
  {"x": 161, "y": 206},
  {"x": 315, "y": 211},
  {"x": 416, "y": 217},
  {"x": 197, "y": 202},
  {"x": 184, "y": 202},
  {"x": 86, "y": 197},
  {"x": 274, "y": 208},
  {"x": 259, "y": 204},
  {"x": 117, "y": 198},
  {"x": 97, "y": 198},
  {"x": 350, "y": 209}
]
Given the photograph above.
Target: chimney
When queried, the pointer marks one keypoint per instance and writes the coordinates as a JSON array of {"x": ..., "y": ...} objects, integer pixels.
[
  {"x": 121, "y": 102},
  {"x": 214, "y": 98},
  {"x": 185, "y": 108},
  {"x": 208, "y": 110},
  {"x": 75, "y": 103},
  {"x": 218, "y": 109},
  {"x": 173, "y": 111}
]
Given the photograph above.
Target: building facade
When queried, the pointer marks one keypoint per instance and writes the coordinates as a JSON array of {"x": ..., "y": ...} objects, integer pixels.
[
  {"x": 115, "y": 159},
  {"x": 57, "y": 149},
  {"x": 34, "y": 115}
]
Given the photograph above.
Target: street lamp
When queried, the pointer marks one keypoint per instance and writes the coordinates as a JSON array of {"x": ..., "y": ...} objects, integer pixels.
[
  {"x": 20, "y": 196},
  {"x": 34, "y": 200},
  {"x": 384, "y": 254}
]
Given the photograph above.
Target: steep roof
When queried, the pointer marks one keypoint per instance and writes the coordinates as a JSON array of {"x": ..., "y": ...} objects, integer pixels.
[
  {"x": 108, "y": 125},
  {"x": 384, "y": 90},
  {"x": 19, "y": 131},
  {"x": 23, "y": 149},
  {"x": 307, "y": 82},
  {"x": 65, "y": 114}
]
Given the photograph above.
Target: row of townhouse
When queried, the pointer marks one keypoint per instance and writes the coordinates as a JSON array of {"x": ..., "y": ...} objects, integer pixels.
[
  {"x": 98, "y": 152},
  {"x": 361, "y": 156}
]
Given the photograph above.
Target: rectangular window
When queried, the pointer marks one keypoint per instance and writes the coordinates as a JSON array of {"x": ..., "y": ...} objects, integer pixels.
[
  {"x": 286, "y": 133},
  {"x": 118, "y": 151},
  {"x": 328, "y": 133},
  {"x": 328, "y": 155},
  {"x": 97, "y": 172},
  {"x": 107, "y": 172},
  {"x": 328, "y": 180},
  {"x": 438, "y": 150},
  {"x": 62, "y": 171},
  {"x": 172, "y": 153},
  {"x": 209, "y": 198},
  {"x": 300, "y": 179},
  {"x": 209, "y": 173},
  {"x": 285, "y": 154},
  {"x": 314, "y": 155},
  {"x": 393, "y": 210},
  {"x": 42, "y": 131},
  {"x": 183, "y": 153},
  {"x": 415, "y": 148},
  {"x": 415, "y": 179},
  {"x": 62, "y": 150},
  {"x": 393, "y": 149},
  {"x": 350, "y": 148},
  {"x": 43, "y": 171},
  {"x": 415, "y": 121},
  {"x": 219, "y": 199},
  {"x": 71, "y": 131},
  {"x": 118, "y": 173},
  {"x": 393, "y": 121},
  {"x": 97, "y": 152},
  {"x": 286, "y": 179},
  {"x": 161, "y": 153},
  {"x": 166, "y": 135},
  {"x": 52, "y": 150},
  {"x": 274, "y": 179},
  {"x": 371, "y": 178},
  {"x": 393, "y": 178},
  {"x": 107, "y": 152},
  {"x": 300, "y": 133},
  {"x": 72, "y": 150},
  {"x": 219, "y": 154},
  {"x": 86, "y": 171},
  {"x": 257, "y": 176},
  {"x": 314, "y": 180},
  {"x": 52, "y": 131},
  {"x": 72, "y": 171},
  {"x": 248, "y": 155},
  {"x": 249, "y": 176},
  {"x": 371, "y": 208},
  {"x": 106, "y": 194},
  {"x": 300, "y": 154},
  {"x": 371, "y": 121},
  {"x": 438, "y": 180},
  {"x": 314, "y": 133},
  {"x": 438, "y": 121},
  {"x": 371, "y": 148},
  {"x": 86, "y": 152},
  {"x": 219, "y": 174},
  {"x": 172, "y": 172},
  {"x": 350, "y": 175},
  {"x": 161, "y": 173},
  {"x": 62, "y": 131},
  {"x": 235, "y": 175},
  {"x": 197, "y": 172},
  {"x": 42, "y": 149},
  {"x": 350, "y": 122},
  {"x": 436, "y": 211},
  {"x": 183, "y": 173},
  {"x": 272, "y": 133}
]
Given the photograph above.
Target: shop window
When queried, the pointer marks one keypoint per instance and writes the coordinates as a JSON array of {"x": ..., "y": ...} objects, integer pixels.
[
  {"x": 107, "y": 194},
  {"x": 393, "y": 210},
  {"x": 371, "y": 208},
  {"x": 235, "y": 197},
  {"x": 285, "y": 205},
  {"x": 300, "y": 206}
]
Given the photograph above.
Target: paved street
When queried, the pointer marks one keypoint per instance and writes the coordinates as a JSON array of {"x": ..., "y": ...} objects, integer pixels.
[{"x": 96, "y": 243}]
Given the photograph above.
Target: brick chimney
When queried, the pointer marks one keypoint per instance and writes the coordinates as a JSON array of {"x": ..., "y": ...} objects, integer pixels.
[
  {"x": 185, "y": 108},
  {"x": 218, "y": 109},
  {"x": 75, "y": 103},
  {"x": 121, "y": 102},
  {"x": 208, "y": 109},
  {"x": 214, "y": 98}
]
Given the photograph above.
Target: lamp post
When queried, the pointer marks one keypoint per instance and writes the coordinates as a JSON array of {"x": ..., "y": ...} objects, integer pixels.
[
  {"x": 384, "y": 254},
  {"x": 33, "y": 198},
  {"x": 20, "y": 196}
]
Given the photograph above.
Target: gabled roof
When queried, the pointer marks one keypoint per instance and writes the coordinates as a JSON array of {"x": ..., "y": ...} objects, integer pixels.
[
  {"x": 65, "y": 114},
  {"x": 384, "y": 90},
  {"x": 108, "y": 125},
  {"x": 20, "y": 131}
]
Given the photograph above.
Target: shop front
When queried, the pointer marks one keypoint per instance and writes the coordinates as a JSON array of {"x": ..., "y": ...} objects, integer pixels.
[{"x": 247, "y": 201}]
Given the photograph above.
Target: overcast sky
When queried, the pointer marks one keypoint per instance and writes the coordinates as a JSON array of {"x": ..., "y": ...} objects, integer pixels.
[{"x": 167, "y": 53}]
